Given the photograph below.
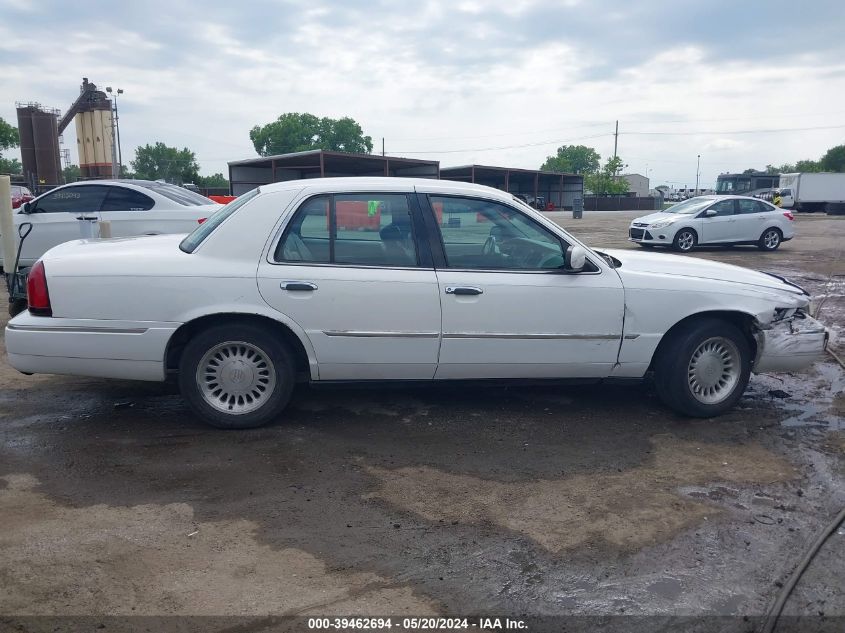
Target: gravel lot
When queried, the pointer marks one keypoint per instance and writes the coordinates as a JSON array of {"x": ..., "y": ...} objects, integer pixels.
[{"x": 453, "y": 500}]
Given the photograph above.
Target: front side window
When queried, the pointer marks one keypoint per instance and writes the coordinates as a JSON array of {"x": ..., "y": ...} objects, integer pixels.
[
  {"x": 124, "y": 199},
  {"x": 723, "y": 207},
  {"x": 76, "y": 199},
  {"x": 481, "y": 234},
  {"x": 370, "y": 229}
]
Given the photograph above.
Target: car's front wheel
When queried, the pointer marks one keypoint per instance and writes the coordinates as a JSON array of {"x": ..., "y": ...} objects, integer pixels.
[
  {"x": 703, "y": 369},
  {"x": 770, "y": 240},
  {"x": 685, "y": 240},
  {"x": 236, "y": 376}
]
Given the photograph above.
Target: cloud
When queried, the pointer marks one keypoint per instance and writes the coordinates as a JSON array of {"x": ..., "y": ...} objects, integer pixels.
[{"x": 437, "y": 76}]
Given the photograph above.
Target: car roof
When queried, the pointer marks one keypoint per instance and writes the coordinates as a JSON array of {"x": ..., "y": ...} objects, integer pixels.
[{"x": 376, "y": 183}]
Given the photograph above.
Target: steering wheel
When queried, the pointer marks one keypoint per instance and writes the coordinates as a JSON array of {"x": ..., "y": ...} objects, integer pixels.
[{"x": 490, "y": 246}]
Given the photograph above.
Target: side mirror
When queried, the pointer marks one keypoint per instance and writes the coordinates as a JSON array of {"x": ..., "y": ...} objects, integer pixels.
[
  {"x": 27, "y": 208},
  {"x": 576, "y": 259},
  {"x": 711, "y": 213}
]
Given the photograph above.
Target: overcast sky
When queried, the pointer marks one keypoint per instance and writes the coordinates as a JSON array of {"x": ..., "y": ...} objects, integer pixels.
[{"x": 500, "y": 82}]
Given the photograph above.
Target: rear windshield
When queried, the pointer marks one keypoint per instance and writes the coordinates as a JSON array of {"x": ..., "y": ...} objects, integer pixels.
[
  {"x": 190, "y": 243},
  {"x": 177, "y": 194}
]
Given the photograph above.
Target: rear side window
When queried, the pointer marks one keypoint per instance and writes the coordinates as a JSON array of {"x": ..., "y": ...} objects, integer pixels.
[
  {"x": 370, "y": 229},
  {"x": 76, "y": 199},
  {"x": 190, "y": 243},
  {"x": 124, "y": 199},
  {"x": 749, "y": 206}
]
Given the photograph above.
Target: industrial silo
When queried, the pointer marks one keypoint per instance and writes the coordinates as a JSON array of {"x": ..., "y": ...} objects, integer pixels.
[
  {"x": 94, "y": 139},
  {"x": 45, "y": 135},
  {"x": 30, "y": 169}
]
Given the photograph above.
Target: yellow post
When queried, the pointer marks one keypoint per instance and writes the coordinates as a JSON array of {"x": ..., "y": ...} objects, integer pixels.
[{"x": 7, "y": 225}]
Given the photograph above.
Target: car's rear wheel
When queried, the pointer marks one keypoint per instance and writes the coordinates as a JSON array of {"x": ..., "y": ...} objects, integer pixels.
[
  {"x": 685, "y": 240},
  {"x": 703, "y": 369},
  {"x": 236, "y": 376},
  {"x": 770, "y": 240}
]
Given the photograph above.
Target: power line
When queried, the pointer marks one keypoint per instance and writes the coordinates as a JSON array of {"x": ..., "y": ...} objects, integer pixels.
[
  {"x": 490, "y": 149},
  {"x": 729, "y": 132}
]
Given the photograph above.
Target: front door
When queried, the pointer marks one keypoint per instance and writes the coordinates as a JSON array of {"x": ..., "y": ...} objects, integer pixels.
[
  {"x": 351, "y": 271},
  {"x": 720, "y": 227},
  {"x": 509, "y": 308}
]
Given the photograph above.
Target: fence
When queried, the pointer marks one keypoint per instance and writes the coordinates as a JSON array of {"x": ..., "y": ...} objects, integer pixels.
[{"x": 622, "y": 203}]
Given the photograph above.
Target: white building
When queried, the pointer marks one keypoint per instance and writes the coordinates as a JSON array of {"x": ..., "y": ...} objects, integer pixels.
[{"x": 638, "y": 184}]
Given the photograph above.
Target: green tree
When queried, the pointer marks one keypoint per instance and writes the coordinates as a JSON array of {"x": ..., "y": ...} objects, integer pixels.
[
  {"x": 575, "y": 159},
  {"x": 8, "y": 139},
  {"x": 71, "y": 173},
  {"x": 298, "y": 132},
  {"x": 215, "y": 181},
  {"x": 10, "y": 166},
  {"x": 8, "y": 135},
  {"x": 834, "y": 159},
  {"x": 606, "y": 181},
  {"x": 807, "y": 165},
  {"x": 160, "y": 162}
]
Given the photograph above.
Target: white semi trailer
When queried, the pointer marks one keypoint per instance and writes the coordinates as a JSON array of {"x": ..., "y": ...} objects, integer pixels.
[{"x": 813, "y": 192}]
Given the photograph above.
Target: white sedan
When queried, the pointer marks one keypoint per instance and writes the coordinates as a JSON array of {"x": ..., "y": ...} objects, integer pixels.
[
  {"x": 133, "y": 207},
  {"x": 715, "y": 220},
  {"x": 349, "y": 279}
]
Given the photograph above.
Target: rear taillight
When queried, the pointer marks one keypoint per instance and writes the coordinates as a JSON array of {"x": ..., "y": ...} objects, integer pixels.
[
  {"x": 788, "y": 215},
  {"x": 37, "y": 297},
  {"x": 201, "y": 220}
]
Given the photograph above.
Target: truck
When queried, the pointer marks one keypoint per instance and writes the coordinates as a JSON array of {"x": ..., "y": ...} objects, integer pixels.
[{"x": 813, "y": 192}]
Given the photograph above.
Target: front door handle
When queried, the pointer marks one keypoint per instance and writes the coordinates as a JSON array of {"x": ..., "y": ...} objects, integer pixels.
[
  {"x": 463, "y": 290},
  {"x": 305, "y": 286}
]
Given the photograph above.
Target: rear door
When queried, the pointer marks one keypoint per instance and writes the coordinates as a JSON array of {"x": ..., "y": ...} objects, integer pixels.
[
  {"x": 56, "y": 218},
  {"x": 751, "y": 219},
  {"x": 720, "y": 227},
  {"x": 509, "y": 309},
  {"x": 352, "y": 271}
]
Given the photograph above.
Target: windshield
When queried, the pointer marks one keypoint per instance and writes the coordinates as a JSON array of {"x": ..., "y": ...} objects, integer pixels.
[
  {"x": 190, "y": 243},
  {"x": 688, "y": 207},
  {"x": 176, "y": 194}
]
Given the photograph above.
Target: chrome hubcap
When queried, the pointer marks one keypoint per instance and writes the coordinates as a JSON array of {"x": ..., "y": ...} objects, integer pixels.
[
  {"x": 771, "y": 239},
  {"x": 713, "y": 370},
  {"x": 236, "y": 377},
  {"x": 686, "y": 240}
]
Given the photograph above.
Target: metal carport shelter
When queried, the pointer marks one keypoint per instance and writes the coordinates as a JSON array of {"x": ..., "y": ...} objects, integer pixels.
[
  {"x": 558, "y": 188},
  {"x": 245, "y": 175}
]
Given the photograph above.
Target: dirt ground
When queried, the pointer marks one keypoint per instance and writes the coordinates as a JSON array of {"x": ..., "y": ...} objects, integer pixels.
[{"x": 451, "y": 499}]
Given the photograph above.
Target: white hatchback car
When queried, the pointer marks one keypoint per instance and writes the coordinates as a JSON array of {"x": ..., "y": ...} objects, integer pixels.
[
  {"x": 350, "y": 279},
  {"x": 708, "y": 220},
  {"x": 133, "y": 207}
]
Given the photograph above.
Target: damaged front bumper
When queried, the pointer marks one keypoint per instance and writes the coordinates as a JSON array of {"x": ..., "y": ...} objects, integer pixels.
[{"x": 789, "y": 345}]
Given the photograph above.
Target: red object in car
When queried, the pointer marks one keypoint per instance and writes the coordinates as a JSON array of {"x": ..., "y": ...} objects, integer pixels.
[
  {"x": 37, "y": 296},
  {"x": 201, "y": 220},
  {"x": 788, "y": 215},
  {"x": 20, "y": 195}
]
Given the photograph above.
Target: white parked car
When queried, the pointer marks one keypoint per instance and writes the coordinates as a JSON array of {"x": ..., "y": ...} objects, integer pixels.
[
  {"x": 133, "y": 207},
  {"x": 349, "y": 279},
  {"x": 706, "y": 220}
]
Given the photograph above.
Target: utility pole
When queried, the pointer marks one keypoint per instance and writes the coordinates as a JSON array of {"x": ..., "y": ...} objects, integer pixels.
[
  {"x": 382, "y": 146},
  {"x": 615, "y": 139},
  {"x": 117, "y": 157},
  {"x": 697, "y": 172}
]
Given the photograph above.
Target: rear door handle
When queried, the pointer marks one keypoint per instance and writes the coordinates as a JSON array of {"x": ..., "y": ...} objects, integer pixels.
[
  {"x": 463, "y": 290},
  {"x": 305, "y": 286}
]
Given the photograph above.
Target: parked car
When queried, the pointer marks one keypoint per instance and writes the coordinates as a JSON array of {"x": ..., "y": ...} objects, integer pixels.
[
  {"x": 134, "y": 207},
  {"x": 270, "y": 291},
  {"x": 20, "y": 195},
  {"x": 715, "y": 220}
]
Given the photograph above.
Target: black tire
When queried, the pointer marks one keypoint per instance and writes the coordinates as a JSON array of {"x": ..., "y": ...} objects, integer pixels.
[
  {"x": 277, "y": 374},
  {"x": 673, "y": 367},
  {"x": 685, "y": 240},
  {"x": 770, "y": 240}
]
